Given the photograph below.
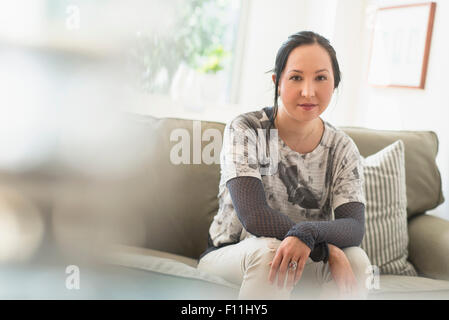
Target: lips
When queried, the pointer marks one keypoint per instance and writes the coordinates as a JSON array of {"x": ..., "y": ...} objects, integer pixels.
[{"x": 308, "y": 106}]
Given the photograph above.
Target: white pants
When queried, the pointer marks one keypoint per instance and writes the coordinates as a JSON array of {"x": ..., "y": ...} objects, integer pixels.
[{"x": 247, "y": 265}]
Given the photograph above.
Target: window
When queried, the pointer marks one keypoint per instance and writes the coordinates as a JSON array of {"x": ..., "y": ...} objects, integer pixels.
[
  {"x": 181, "y": 48},
  {"x": 192, "y": 58}
]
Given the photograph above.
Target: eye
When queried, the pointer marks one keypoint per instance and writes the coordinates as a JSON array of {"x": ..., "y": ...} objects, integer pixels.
[
  {"x": 321, "y": 78},
  {"x": 296, "y": 78}
]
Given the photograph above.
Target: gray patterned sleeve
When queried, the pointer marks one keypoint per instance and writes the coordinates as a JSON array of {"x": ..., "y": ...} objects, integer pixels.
[
  {"x": 346, "y": 230},
  {"x": 249, "y": 200}
]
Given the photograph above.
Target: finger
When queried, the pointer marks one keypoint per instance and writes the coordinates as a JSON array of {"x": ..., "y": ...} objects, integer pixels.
[
  {"x": 341, "y": 286},
  {"x": 347, "y": 289},
  {"x": 291, "y": 275},
  {"x": 351, "y": 285},
  {"x": 301, "y": 264},
  {"x": 274, "y": 267},
  {"x": 342, "y": 291},
  {"x": 282, "y": 271},
  {"x": 354, "y": 288},
  {"x": 345, "y": 286},
  {"x": 350, "y": 292}
]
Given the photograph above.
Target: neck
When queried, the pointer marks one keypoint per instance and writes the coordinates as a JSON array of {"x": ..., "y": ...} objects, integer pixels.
[{"x": 298, "y": 130}]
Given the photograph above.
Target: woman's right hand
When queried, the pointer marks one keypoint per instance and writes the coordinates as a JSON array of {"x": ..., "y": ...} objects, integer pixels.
[
  {"x": 342, "y": 272},
  {"x": 291, "y": 249}
]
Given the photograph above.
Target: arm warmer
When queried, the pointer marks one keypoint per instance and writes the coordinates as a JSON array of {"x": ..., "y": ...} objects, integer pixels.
[{"x": 250, "y": 204}]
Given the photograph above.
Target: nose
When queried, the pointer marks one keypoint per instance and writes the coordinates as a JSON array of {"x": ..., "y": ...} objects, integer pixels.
[{"x": 308, "y": 89}]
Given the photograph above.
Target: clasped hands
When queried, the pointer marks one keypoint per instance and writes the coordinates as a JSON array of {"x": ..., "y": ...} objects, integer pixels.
[{"x": 293, "y": 249}]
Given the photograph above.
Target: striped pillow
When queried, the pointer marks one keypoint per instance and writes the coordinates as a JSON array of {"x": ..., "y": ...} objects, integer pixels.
[{"x": 386, "y": 235}]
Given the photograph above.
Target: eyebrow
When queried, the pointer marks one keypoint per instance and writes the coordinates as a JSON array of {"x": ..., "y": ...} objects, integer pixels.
[{"x": 299, "y": 71}]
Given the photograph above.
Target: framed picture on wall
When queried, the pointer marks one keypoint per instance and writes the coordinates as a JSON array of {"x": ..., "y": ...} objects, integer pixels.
[{"x": 400, "y": 45}]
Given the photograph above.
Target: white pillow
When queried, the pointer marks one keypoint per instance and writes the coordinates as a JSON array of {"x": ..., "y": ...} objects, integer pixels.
[{"x": 386, "y": 234}]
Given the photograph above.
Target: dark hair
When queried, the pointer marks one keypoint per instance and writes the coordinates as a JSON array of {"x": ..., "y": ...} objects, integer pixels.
[{"x": 294, "y": 41}]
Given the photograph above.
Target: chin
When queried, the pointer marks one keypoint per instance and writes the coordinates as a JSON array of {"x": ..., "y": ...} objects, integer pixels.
[{"x": 300, "y": 115}]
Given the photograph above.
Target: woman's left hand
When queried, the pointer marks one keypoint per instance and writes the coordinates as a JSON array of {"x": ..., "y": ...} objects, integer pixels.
[
  {"x": 291, "y": 249},
  {"x": 342, "y": 272}
]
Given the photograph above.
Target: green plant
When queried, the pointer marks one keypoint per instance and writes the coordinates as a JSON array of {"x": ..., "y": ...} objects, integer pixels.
[
  {"x": 214, "y": 60},
  {"x": 198, "y": 39}
]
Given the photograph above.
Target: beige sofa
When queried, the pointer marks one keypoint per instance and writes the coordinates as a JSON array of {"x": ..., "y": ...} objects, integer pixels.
[
  {"x": 184, "y": 201},
  {"x": 164, "y": 212}
]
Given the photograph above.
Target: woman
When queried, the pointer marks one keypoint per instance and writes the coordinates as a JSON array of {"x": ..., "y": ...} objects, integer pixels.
[{"x": 291, "y": 200}]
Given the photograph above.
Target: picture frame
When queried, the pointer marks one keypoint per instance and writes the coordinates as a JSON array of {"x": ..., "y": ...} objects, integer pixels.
[{"x": 401, "y": 45}]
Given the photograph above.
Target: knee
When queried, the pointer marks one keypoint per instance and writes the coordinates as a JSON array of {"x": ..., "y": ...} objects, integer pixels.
[
  {"x": 261, "y": 251},
  {"x": 359, "y": 261}
]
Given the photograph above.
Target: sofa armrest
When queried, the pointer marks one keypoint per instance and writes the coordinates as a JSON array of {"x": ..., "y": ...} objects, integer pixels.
[{"x": 429, "y": 245}]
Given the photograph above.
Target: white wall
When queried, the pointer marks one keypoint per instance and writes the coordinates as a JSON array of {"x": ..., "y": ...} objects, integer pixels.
[
  {"x": 270, "y": 23},
  {"x": 412, "y": 109},
  {"x": 268, "y": 26}
]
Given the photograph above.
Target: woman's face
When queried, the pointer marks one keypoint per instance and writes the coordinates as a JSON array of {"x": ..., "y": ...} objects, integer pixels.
[{"x": 307, "y": 83}]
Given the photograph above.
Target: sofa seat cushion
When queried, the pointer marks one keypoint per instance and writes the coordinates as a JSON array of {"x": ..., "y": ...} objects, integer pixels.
[
  {"x": 160, "y": 262},
  {"x": 171, "y": 265},
  {"x": 408, "y": 287}
]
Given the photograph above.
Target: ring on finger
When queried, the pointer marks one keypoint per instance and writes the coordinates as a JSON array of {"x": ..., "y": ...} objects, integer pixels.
[{"x": 293, "y": 265}]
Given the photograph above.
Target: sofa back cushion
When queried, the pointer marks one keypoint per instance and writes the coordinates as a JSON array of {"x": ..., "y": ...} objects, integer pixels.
[
  {"x": 180, "y": 199},
  {"x": 423, "y": 180}
]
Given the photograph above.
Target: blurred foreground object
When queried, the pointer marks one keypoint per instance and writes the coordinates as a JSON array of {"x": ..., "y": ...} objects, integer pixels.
[{"x": 21, "y": 227}]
